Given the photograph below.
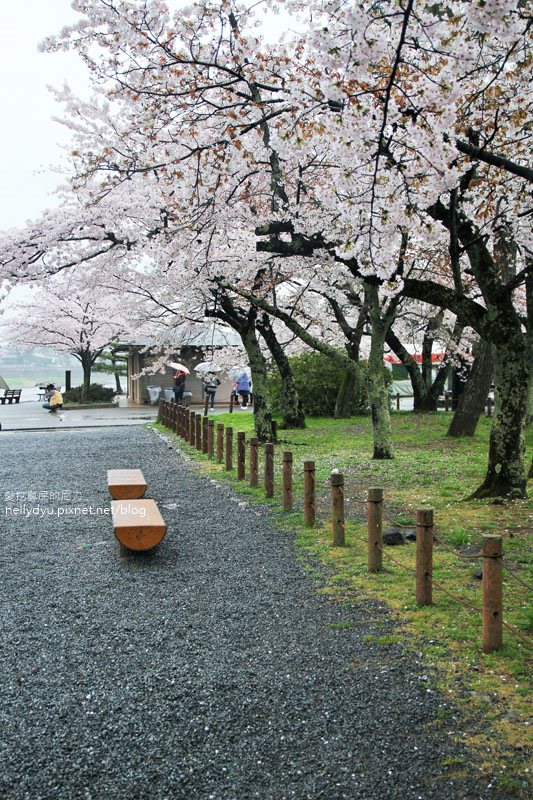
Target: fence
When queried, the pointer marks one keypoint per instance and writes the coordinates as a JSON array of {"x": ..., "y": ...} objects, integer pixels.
[{"x": 195, "y": 430}]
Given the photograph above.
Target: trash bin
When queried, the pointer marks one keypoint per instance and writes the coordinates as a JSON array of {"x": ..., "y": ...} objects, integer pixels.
[
  {"x": 168, "y": 394},
  {"x": 154, "y": 392}
]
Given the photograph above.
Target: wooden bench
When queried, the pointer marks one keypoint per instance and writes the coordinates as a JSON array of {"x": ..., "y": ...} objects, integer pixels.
[
  {"x": 11, "y": 395},
  {"x": 138, "y": 525},
  {"x": 126, "y": 484}
]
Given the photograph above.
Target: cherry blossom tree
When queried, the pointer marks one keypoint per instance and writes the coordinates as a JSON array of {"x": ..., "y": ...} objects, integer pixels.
[
  {"x": 70, "y": 318},
  {"x": 379, "y": 129}
]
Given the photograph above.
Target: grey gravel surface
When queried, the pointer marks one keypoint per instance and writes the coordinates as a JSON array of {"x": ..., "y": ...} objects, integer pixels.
[{"x": 209, "y": 668}]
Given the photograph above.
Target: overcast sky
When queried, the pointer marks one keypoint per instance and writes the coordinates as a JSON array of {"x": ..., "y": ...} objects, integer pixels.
[{"x": 31, "y": 142}]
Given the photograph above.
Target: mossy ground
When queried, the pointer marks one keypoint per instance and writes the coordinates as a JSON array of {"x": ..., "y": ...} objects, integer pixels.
[{"x": 428, "y": 470}]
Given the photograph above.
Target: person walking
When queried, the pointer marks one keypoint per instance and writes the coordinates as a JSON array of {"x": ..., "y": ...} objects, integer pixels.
[
  {"x": 179, "y": 386},
  {"x": 243, "y": 388},
  {"x": 211, "y": 384}
]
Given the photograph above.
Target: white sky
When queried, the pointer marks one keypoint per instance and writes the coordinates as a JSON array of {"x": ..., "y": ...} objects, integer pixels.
[
  {"x": 31, "y": 143},
  {"x": 29, "y": 139}
]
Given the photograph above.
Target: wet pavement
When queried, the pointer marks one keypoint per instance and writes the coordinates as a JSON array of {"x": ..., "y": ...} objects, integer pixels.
[{"x": 29, "y": 415}]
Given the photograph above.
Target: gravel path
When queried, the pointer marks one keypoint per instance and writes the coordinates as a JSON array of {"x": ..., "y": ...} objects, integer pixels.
[{"x": 207, "y": 669}]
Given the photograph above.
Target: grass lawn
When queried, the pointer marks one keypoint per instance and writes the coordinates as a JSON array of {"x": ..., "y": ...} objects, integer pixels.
[{"x": 428, "y": 470}]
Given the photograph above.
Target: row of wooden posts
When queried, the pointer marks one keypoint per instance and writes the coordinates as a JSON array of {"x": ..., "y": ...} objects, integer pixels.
[{"x": 199, "y": 431}]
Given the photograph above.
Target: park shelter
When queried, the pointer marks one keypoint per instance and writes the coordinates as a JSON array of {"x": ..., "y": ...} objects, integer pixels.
[{"x": 189, "y": 347}]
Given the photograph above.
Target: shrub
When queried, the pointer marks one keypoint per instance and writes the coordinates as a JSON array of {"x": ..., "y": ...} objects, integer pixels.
[
  {"x": 318, "y": 379},
  {"x": 97, "y": 394}
]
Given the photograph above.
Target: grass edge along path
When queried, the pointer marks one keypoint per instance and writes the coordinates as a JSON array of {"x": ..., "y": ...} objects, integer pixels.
[{"x": 493, "y": 690}]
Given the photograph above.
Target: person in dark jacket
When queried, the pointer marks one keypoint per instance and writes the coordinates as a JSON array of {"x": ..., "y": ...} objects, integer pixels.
[
  {"x": 211, "y": 384},
  {"x": 179, "y": 386}
]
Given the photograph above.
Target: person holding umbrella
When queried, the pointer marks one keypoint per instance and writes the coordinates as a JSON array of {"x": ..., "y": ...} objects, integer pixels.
[
  {"x": 211, "y": 384},
  {"x": 243, "y": 388},
  {"x": 179, "y": 386}
]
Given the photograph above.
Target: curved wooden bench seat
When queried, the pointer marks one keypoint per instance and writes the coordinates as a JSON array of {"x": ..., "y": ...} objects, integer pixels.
[
  {"x": 126, "y": 484},
  {"x": 138, "y": 524}
]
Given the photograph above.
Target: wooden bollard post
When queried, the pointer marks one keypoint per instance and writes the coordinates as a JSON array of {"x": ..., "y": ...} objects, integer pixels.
[
  {"x": 206, "y": 405},
  {"x": 309, "y": 493},
  {"x": 186, "y": 423},
  {"x": 160, "y": 411},
  {"x": 231, "y": 400},
  {"x": 229, "y": 448},
  {"x": 220, "y": 442},
  {"x": 211, "y": 438},
  {"x": 198, "y": 432},
  {"x": 241, "y": 456},
  {"x": 287, "y": 481},
  {"x": 397, "y": 401},
  {"x": 269, "y": 469},
  {"x": 489, "y": 406},
  {"x": 205, "y": 435},
  {"x": 492, "y": 593},
  {"x": 254, "y": 463},
  {"x": 446, "y": 401},
  {"x": 424, "y": 556},
  {"x": 192, "y": 428},
  {"x": 375, "y": 529},
  {"x": 337, "y": 508}
]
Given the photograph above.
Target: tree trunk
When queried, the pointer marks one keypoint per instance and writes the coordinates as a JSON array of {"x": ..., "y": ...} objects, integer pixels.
[
  {"x": 506, "y": 468},
  {"x": 472, "y": 401},
  {"x": 425, "y": 395},
  {"x": 86, "y": 360},
  {"x": 378, "y": 391},
  {"x": 344, "y": 395},
  {"x": 264, "y": 429},
  {"x": 529, "y": 343},
  {"x": 292, "y": 411}
]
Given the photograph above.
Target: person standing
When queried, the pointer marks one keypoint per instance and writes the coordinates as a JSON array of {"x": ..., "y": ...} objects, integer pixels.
[
  {"x": 179, "y": 386},
  {"x": 243, "y": 388},
  {"x": 211, "y": 384}
]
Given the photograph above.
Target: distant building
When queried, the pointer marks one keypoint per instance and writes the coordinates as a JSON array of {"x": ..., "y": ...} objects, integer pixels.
[{"x": 198, "y": 343}]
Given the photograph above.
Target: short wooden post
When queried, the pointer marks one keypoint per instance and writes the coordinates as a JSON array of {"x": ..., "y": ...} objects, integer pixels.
[
  {"x": 424, "y": 556},
  {"x": 241, "y": 456},
  {"x": 287, "y": 481},
  {"x": 220, "y": 442},
  {"x": 211, "y": 438},
  {"x": 205, "y": 435},
  {"x": 254, "y": 463},
  {"x": 229, "y": 448},
  {"x": 489, "y": 406},
  {"x": 231, "y": 401},
  {"x": 186, "y": 424},
  {"x": 192, "y": 428},
  {"x": 269, "y": 469},
  {"x": 397, "y": 401},
  {"x": 492, "y": 593},
  {"x": 337, "y": 508},
  {"x": 309, "y": 493},
  {"x": 375, "y": 529},
  {"x": 446, "y": 401},
  {"x": 199, "y": 432},
  {"x": 206, "y": 405}
]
